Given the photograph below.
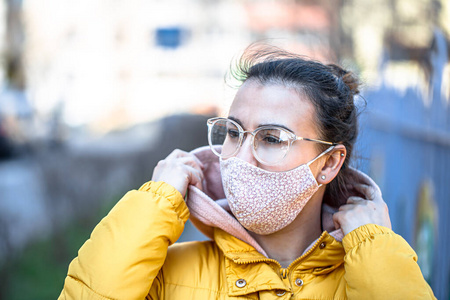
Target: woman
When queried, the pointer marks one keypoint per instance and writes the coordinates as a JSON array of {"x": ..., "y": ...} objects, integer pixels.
[{"x": 287, "y": 217}]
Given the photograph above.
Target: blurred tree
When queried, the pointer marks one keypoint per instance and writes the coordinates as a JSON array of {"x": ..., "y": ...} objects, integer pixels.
[{"x": 13, "y": 52}]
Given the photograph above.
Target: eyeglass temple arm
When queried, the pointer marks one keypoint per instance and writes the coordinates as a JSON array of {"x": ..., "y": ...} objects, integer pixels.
[{"x": 317, "y": 141}]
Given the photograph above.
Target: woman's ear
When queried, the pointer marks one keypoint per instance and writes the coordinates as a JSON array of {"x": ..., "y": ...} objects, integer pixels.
[{"x": 332, "y": 165}]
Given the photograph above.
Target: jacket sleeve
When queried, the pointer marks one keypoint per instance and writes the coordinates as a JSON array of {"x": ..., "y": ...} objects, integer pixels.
[
  {"x": 128, "y": 247},
  {"x": 380, "y": 264}
]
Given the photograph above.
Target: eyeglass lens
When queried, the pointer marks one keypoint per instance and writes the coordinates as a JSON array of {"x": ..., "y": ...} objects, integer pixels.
[{"x": 270, "y": 144}]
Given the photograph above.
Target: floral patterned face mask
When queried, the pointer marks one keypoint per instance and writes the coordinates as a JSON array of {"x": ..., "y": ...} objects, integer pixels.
[{"x": 265, "y": 202}]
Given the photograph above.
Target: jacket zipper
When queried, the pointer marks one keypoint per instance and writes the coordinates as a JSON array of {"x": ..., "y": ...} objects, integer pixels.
[
  {"x": 307, "y": 252},
  {"x": 284, "y": 272},
  {"x": 258, "y": 260}
]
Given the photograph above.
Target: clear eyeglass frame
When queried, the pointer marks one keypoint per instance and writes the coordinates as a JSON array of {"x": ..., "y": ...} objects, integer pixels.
[{"x": 291, "y": 136}]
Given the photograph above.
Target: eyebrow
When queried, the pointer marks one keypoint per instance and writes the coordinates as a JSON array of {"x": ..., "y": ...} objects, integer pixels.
[{"x": 260, "y": 125}]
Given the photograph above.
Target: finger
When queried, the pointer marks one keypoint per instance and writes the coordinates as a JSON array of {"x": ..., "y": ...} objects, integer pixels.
[
  {"x": 355, "y": 200},
  {"x": 366, "y": 190},
  {"x": 337, "y": 219},
  {"x": 346, "y": 207},
  {"x": 195, "y": 158},
  {"x": 172, "y": 170},
  {"x": 195, "y": 176},
  {"x": 191, "y": 161},
  {"x": 176, "y": 153}
]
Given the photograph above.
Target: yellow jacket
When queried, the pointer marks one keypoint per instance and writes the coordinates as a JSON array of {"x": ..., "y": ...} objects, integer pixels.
[{"x": 128, "y": 257}]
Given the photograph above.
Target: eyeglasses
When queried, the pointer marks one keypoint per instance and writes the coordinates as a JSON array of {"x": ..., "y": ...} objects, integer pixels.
[{"x": 270, "y": 143}]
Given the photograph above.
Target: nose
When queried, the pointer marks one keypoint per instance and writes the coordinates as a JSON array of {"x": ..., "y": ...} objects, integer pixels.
[{"x": 245, "y": 151}]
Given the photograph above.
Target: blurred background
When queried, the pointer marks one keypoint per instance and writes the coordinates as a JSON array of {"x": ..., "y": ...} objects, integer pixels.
[{"x": 94, "y": 93}]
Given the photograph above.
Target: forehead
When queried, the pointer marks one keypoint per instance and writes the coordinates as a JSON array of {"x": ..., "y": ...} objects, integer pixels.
[{"x": 257, "y": 104}]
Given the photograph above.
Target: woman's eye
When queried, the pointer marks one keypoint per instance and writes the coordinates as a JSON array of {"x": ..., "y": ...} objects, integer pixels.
[
  {"x": 271, "y": 139},
  {"x": 233, "y": 133}
]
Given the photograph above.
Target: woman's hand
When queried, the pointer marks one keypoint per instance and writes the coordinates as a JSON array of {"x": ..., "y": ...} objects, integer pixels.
[
  {"x": 180, "y": 169},
  {"x": 359, "y": 211}
]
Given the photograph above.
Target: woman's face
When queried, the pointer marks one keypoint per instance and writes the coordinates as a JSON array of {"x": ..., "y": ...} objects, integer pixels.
[{"x": 256, "y": 105}]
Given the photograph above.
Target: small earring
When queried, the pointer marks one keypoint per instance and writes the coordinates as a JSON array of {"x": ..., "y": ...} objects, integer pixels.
[
  {"x": 342, "y": 154},
  {"x": 323, "y": 177}
]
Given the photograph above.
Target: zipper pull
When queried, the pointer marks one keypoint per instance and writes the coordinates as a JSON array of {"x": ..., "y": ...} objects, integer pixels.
[{"x": 284, "y": 273}]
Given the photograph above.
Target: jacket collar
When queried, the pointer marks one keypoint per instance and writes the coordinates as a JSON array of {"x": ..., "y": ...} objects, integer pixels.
[{"x": 325, "y": 255}]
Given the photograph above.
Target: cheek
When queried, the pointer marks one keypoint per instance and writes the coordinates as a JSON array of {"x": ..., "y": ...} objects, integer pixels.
[
  {"x": 300, "y": 153},
  {"x": 290, "y": 162}
]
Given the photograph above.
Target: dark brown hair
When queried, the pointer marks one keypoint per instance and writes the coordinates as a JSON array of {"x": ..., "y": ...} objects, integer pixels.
[{"x": 330, "y": 88}]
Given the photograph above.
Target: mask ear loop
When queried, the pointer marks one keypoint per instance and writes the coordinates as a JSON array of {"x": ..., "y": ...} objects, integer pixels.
[{"x": 319, "y": 156}]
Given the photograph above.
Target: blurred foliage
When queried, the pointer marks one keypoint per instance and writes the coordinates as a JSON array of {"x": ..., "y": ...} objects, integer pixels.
[{"x": 38, "y": 273}]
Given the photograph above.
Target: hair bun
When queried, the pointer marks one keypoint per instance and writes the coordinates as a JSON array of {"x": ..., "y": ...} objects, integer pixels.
[
  {"x": 352, "y": 82},
  {"x": 349, "y": 79}
]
